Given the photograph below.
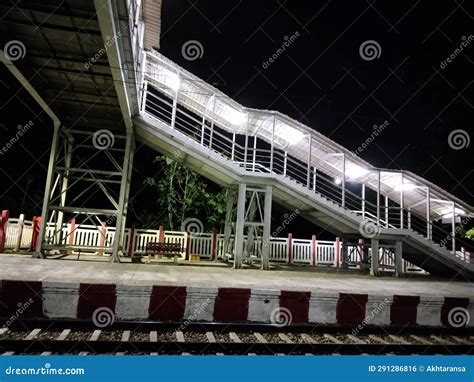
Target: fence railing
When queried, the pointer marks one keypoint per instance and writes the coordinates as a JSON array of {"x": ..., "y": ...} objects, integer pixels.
[{"x": 207, "y": 245}]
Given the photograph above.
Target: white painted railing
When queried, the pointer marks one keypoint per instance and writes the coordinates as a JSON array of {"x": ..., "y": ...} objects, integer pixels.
[
  {"x": 15, "y": 233},
  {"x": 91, "y": 238}
]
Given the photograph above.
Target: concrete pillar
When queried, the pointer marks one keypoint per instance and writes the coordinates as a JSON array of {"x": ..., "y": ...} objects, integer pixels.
[
  {"x": 374, "y": 266},
  {"x": 267, "y": 219},
  {"x": 239, "y": 229},
  {"x": 398, "y": 259}
]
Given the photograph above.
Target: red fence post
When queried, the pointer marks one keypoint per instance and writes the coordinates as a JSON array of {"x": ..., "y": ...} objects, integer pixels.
[
  {"x": 290, "y": 248},
  {"x": 103, "y": 232},
  {"x": 35, "y": 234},
  {"x": 313, "y": 250},
  {"x": 161, "y": 234},
  {"x": 3, "y": 229},
  {"x": 338, "y": 251},
  {"x": 72, "y": 234},
  {"x": 214, "y": 245}
]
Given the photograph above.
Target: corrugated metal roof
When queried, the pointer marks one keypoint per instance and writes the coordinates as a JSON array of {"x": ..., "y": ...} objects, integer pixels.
[
  {"x": 151, "y": 14},
  {"x": 292, "y": 136}
]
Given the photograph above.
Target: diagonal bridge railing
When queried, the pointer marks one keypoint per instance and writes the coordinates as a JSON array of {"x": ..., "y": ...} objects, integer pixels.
[{"x": 268, "y": 142}]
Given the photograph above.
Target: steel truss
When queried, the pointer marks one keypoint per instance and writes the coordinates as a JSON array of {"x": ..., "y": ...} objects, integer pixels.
[
  {"x": 393, "y": 249},
  {"x": 248, "y": 217},
  {"x": 86, "y": 169}
]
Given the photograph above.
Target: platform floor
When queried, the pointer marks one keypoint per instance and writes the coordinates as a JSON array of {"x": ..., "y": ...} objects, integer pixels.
[{"x": 21, "y": 267}]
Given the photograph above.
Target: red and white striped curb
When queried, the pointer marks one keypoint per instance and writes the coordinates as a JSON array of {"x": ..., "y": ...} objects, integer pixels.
[{"x": 36, "y": 299}]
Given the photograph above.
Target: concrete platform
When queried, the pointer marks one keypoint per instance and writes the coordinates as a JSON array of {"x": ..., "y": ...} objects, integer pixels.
[{"x": 78, "y": 289}]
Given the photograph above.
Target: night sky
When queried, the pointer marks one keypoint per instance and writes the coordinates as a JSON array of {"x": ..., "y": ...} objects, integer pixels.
[{"x": 321, "y": 80}]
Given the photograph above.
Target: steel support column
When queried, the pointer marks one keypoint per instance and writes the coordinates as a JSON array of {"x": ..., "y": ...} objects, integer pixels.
[
  {"x": 211, "y": 132},
  {"x": 124, "y": 188},
  {"x": 175, "y": 106},
  {"x": 343, "y": 183},
  {"x": 254, "y": 152},
  {"x": 314, "y": 178},
  {"x": 428, "y": 208},
  {"x": 308, "y": 180},
  {"x": 344, "y": 254},
  {"x": 47, "y": 191},
  {"x": 239, "y": 228},
  {"x": 402, "y": 203},
  {"x": 233, "y": 147},
  {"x": 267, "y": 228},
  {"x": 228, "y": 223},
  {"x": 64, "y": 186},
  {"x": 398, "y": 259},
  {"x": 375, "y": 263},
  {"x": 363, "y": 200},
  {"x": 272, "y": 145},
  {"x": 453, "y": 228},
  {"x": 378, "y": 197}
]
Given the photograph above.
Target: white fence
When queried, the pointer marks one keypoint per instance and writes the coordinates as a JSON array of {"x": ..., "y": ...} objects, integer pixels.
[
  {"x": 19, "y": 233},
  {"x": 285, "y": 250}
]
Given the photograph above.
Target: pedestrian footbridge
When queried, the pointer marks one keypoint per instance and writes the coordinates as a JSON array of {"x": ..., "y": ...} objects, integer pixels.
[{"x": 259, "y": 155}]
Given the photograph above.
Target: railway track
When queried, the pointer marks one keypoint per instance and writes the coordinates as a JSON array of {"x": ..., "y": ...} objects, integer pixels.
[{"x": 149, "y": 338}]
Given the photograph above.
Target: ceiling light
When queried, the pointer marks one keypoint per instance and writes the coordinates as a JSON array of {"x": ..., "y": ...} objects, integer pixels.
[
  {"x": 355, "y": 171},
  {"x": 337, "y": 181},
  {"x": 171, "y": 79},
  {"x": 233, "y": 116},
  {"x": 448, "y": 212},
  {"x": 291, "y": 135},
  {"x": 405, "y": 187}
]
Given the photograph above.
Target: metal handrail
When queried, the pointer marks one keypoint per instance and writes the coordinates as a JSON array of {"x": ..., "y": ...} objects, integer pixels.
[{"x": 262, "y": 160}]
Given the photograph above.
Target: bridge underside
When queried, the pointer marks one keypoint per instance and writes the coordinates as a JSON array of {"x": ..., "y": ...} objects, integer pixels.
[{"x": 76, "y": 60}]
